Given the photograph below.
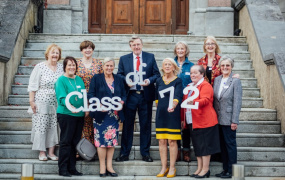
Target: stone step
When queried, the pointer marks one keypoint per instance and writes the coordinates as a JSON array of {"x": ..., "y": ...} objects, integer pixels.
[
  {"x": 243, "y": 139},
  {"x": 262, "y": 127},
  {"x": 247, "y": 114},
  {"x": 26, "y": 70},
  {"x": 147, "y": 46},
  {"x": 239, "y": 64},
  {"x": 141, "y": 168},
  {"x": 270, "y": 154},
  {"x": 8, "y": 176},
  {"x": 246, "y": 102},
  {"x": 245, "y": 55},
  {"x": 22, "y": 89},
  {"x": 59, "y": 38}
]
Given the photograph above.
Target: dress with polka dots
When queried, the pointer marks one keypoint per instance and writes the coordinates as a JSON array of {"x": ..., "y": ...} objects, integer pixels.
[{"x": 44, "y": 121}]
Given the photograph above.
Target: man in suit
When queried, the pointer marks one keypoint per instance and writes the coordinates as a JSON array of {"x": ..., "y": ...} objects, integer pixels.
[{"x": 140, "y": 98}]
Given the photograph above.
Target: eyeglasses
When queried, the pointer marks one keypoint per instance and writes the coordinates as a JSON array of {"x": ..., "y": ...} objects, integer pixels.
[
  {"x": 210, "y": 44},
  {"x": 225, "y": 65}
]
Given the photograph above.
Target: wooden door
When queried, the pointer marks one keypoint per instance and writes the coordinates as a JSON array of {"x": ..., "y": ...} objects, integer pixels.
[
  {"x": 138, "y": 16},
  {"x": 155, "y": 17},
  {"x": 96, "y": 16},
  {"x": 122, "y": 16}
]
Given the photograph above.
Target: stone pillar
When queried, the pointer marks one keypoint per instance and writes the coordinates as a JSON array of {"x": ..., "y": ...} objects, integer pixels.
[
  {"x": 197, "y": 12},
  {"x": 219, "y": 18},
  {"x": 211, "y": 17},
  {"x": 63, "y": 16}
]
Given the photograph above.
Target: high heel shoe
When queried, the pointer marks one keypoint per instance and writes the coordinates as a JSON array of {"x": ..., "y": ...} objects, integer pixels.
[
  {"x": 111, "y": 174},
  {"x": 162, "y": 175},
  {"x": 171, "y": 175},
  {"x": 205, "y": 175},
  {"x": 193, "y": 175},
  {"x": 103, "y": 175}
]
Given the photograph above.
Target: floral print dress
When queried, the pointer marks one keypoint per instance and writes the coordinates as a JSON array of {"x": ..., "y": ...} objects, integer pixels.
[
  {"x": 106, "y": 134},
  {"x": 86, "y": 75}
]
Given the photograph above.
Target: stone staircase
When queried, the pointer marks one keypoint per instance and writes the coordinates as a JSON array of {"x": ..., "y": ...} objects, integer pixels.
[{"x": 260, "y": 142}]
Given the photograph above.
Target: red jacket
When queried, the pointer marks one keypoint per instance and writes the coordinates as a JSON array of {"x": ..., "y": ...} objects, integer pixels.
[{"x": 205, "y": 116}]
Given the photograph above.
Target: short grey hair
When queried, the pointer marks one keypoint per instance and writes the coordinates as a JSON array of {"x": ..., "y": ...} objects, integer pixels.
[
  {"x": 225, "y": 58},
  {"x": 107, "y": 59},
  {"x": 186, "y": 48},
  {"x": 134, "y": 38}
]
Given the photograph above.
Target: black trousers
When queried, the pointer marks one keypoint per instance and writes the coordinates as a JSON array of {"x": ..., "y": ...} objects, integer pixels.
[
  {"x": 186, "y": 138},
  {"x": 70, "y": 134},
  {"x": 136, "y": 102},
  {"x": 228, "y": 147}
]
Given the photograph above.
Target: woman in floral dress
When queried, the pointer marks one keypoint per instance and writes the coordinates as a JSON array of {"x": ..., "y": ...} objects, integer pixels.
[
  {"x": 43, "y": 103},
  {"x": 87, "y": 67},
  {"x": 106, "y": 123}
]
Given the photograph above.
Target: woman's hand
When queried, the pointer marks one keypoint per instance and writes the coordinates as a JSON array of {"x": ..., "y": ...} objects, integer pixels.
[
  {"x": 234, "y": 126},
  {"x": 190, "y": 102},
  {"x": 73, "y": 108},
  {"x": 33, "y": 106},
  {"x": 236, "y": 76},
  {"x": 122, "y": 102},
  {"x": 182, "y": 125}
]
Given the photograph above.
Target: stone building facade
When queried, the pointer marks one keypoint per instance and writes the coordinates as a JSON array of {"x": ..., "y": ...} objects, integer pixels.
[{"x": 205, "y": 17}]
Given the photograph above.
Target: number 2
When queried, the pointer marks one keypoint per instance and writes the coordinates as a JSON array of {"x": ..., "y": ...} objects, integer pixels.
[{"x": 191, "y": 98}]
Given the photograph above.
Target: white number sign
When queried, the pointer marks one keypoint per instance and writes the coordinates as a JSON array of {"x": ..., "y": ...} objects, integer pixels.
[
  {"x": 171, "y": 90},
  {"x": 191, "y": 98}
]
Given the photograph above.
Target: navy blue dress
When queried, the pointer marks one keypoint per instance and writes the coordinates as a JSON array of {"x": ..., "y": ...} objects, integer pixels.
[
  {"x": 168, "y": 125},
  {"x": 106, "y": 133}
]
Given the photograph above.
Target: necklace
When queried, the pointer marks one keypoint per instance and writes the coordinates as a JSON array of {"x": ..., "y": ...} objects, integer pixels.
[{"x": 75, "y": 88}]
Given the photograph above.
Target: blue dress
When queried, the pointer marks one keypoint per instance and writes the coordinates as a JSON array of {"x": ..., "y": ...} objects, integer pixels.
[
  {"x": 106, "y": 133},
  {"x": 168, "y": 125}
]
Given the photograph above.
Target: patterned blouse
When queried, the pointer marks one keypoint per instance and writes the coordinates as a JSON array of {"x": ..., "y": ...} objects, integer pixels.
[
  {"x": 216, "y": 70},
  {"x": 87, "y": 73}
]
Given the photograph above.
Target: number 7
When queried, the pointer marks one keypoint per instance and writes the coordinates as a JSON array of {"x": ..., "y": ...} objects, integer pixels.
[{"x": 171, "y": 90}]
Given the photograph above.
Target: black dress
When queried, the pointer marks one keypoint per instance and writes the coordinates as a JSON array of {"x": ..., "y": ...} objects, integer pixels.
[{"x": 168, "y": 125}]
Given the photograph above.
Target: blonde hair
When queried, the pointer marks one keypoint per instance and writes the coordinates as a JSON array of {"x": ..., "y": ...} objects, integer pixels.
[
  {"x": 217, "y": 50},
  {"x": 186, "y": 47},
  {"x": 52, "y": 47},
  {"x": 107, "y": 59},
  {"x": 176, "y": 68}
]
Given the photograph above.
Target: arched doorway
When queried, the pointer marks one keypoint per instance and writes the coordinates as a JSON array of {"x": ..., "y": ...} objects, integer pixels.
[{"x": 138, "y": 16}]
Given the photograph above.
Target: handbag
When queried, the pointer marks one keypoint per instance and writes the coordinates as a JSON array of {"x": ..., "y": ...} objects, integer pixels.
[{"x": 86, "y": 149}]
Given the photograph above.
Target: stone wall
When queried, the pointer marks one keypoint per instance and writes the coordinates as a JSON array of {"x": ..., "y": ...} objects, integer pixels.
[
  {"x": 269, "y": 81},
  {"x": 9, "y": 69}
]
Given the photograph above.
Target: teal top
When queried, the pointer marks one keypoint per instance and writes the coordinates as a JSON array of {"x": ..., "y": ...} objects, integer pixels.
[{"x": 63, "y": 87}]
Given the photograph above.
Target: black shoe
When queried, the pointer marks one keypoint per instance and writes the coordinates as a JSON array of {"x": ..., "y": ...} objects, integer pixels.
[
  {"x": 122, "y": 158},
  {"x": 205, "y": 175},
  {"x": 226, "y": 175},
  {"x": 147, "y": 158},
  {"x": 75, "y": 172},
  {"x": 103, "y": 175},
  {"x": 193, "y": 175},
  {"x": 220, "y": 174},
  {"x": 111, "y": 174},
  {"x": 65, "y": 173}
]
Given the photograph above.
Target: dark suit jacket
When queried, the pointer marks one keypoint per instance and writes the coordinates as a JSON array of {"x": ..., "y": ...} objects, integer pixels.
[
  {"x": 99, "y": 88},
  {"x": 228, "y": 105},
  {"x": 126, "y": 66}
]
